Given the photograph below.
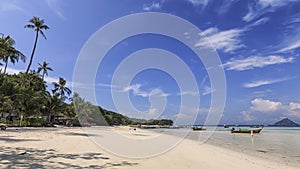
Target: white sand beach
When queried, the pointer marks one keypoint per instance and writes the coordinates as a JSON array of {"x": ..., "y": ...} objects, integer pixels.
[{"x": 72, "y": 148}]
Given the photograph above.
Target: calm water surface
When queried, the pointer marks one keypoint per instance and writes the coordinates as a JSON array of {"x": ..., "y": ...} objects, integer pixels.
[{"x": 282, "y": 143}]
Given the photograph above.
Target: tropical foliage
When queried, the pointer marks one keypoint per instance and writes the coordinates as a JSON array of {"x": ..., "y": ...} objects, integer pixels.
[{"x": 26, "y": 100}]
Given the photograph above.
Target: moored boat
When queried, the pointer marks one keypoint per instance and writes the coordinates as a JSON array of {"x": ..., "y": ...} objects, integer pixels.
[
  {"x": 255, "y": 130},
  {"x": 196, "y": 128}
]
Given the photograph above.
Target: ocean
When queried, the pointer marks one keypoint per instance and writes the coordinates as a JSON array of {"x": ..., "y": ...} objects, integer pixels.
[{"x": 281, "y": 143}]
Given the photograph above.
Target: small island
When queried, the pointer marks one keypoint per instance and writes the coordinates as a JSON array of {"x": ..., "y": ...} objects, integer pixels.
[{"x": 286, "y": 123}]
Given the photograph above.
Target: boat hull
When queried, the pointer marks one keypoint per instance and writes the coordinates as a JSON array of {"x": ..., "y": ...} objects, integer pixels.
[
  {"x": 198, "y": 128},
  {"x": 246, "y": 131}
]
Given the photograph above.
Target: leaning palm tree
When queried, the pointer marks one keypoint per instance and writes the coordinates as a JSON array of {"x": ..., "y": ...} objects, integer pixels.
[
  {"x": 8, "y": 52},
  {"x": 44, "y": 67},
  {"x": 60, "y": 88},
  {"x": 38, "y": 25}
]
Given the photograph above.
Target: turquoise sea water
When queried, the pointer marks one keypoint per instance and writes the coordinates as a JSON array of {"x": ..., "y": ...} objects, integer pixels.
[
  {"x": 284, "y": 142},
  {"x": 279, "y": 143}
]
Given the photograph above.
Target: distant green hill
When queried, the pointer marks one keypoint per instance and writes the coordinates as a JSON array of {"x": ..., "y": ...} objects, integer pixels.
[{"x": 89, "y": 113}]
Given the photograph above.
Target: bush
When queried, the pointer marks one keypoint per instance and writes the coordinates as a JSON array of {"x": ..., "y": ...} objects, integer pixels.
[{"x": 35, "y": 122}]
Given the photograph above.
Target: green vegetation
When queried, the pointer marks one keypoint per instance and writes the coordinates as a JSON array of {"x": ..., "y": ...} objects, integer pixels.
[{"x": 26, "y": 100}]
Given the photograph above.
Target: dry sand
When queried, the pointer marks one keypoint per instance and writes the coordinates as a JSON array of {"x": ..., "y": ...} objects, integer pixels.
[{"x": 72, "y": 148}]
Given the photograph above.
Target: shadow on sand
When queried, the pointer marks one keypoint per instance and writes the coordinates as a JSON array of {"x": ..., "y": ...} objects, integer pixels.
[{"x": 35, "y": 158}]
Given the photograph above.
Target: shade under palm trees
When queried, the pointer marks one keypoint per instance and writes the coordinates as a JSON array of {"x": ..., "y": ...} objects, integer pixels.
[
  {"x": 38, "y": 25},
  {"x": 8, "y": 52},
  {"x": 45, "y": 68}
]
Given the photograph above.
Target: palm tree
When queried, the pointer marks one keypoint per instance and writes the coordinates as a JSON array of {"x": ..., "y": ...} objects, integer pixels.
[
  {"x": 8, "y": 52},
  {"x": 38, "y": 25},
  {"x": 44, "y": 67},
  {"x": 60, "y": 88}
]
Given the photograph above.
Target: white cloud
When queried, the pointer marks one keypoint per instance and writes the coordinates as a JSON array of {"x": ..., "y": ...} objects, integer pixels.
[
  {"x": 225, "y": 6},
  {"x": 258, "y": 22},
  {"x": 291, "y": 45},
  {"x": 192, "y": 93},
  {"x": 55, "y": 6},
  {"x": 13, "y": 71},
  {"x": 247, "y": 116},
  {"x": 264, "y": 6},
  {"x": 294, "y": 106},
  {"x": 293, "y": 110},
  {"x": 137, "y": 91},
  {"x": 265, "y": 106},
  {"x": 53, "y": 79},
  {"x": 152, "y": 6},
  {"x": 211, "y": 31},
  {"x": 264, "y": 82},
  {"x": 48, "y": 79},
  {"x": 293, "y": 19},
  {"x": 208, "y": 90},
  {"x": 261, "y": 93},
  {"x": 256, "y": 61},
  {"x": 290, "y": 40},
  {"x": 227, "y": 41},
  {"x": 198, "y": 2}
]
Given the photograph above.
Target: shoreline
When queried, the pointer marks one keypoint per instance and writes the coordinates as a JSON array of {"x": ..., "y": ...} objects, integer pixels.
[{"x": 71, "y": 147}]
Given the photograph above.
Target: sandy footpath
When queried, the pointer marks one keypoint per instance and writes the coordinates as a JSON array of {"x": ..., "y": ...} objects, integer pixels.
[{"x": 72, "y": 148}]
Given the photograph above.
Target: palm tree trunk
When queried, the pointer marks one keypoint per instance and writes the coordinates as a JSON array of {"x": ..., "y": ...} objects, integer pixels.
[
  {"x": 6, "y": 63},
  {"x": 31, "y": 58},
  {"x": 43, "y": 76}
]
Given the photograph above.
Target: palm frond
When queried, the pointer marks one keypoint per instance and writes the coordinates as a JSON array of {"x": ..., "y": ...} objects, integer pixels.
[
  {"x": 29, "y": 26},
  {"x": 42, "y": 33}
]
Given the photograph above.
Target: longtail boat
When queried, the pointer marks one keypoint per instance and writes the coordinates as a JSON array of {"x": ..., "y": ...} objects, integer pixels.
[
  {"x": 196, "y": 128},
  {"x": 255, "y": 130}
]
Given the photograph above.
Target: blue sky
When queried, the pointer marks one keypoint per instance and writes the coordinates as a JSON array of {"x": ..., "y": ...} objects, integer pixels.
[{"x": 258, "y": 43}]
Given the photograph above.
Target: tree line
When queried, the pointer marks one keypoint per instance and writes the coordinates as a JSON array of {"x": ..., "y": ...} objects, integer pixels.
[{"x": 27, "y": 95}]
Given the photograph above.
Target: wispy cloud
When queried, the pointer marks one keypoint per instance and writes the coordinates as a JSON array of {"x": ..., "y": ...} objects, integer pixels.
[
  {"x": 264, "y": 82},
  {"x": 293, "y": 19},
  {"x": 137, "y": 91},
  {"x": 227, "y": 41},
  {"x": 256, "y": 61},
  {"x": 290, "y": 42},
  {"x": 261, "y": 93},
  {"x": 258, "y": 22},
  {"x": 225, "y": 6},
  {"x": 152, "y": 6},
  {"x": 197, "y": 3},
  {"x": 208, "y": 90},
  {"x": 191, "y": 93},
  {"x": 55, "y": 6},
  {"x": 261, "y": 7},
  {"x": 10, "y": 6}
]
